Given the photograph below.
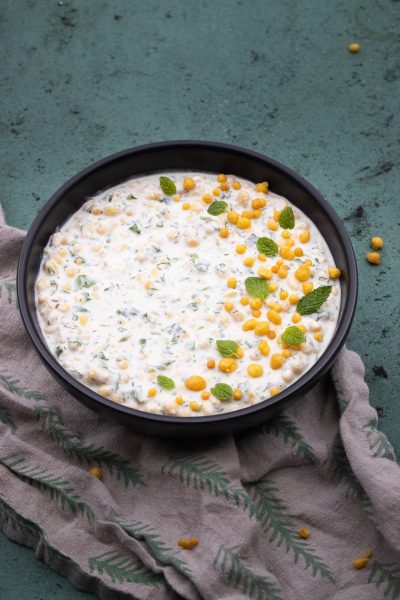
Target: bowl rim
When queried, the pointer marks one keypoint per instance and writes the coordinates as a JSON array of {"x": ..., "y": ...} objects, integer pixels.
[{"x": 303, "y": 384}]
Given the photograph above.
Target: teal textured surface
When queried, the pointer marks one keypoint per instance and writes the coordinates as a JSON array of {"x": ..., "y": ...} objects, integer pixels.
[{"x": 80, "y": 80}]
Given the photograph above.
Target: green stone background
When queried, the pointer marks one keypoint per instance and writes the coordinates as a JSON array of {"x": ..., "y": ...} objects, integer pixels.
[{"x": 82, "y": 79}]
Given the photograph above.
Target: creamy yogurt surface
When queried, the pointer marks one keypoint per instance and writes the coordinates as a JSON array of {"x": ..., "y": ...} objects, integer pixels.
[{"x": 188, "y": 295}]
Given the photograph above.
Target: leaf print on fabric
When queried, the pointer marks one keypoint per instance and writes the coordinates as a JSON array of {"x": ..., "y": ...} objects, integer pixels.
[
  {"x": 60, "y": 489},
  {"x": 273, "y": 515},
  {"x": 388, "y": 576},
  {"x": 8, "y": 290},
  {"x": 9, "y": 514},
  {"x": 341, "y": 400},
  {"x": 124, "y": 569},
  {"x": 7, "y": 419},
  {"x": 202, "y": 473},
  {"x": 234, "y": 570},
  {"x": 160, "y": 551},
  {"x": 379, "y": 444},
  {"x": 283, "y": 426},
  {"x": 340, "y": 471},
  {"x": 13, "y": 386},
  {"x": 75, "y": 446}
]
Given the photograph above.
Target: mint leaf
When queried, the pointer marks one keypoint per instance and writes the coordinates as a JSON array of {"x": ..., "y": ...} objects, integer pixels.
[
  {"x": 134, "y": 227},
  {"x": 257, "y": 287},
  {"x": 165, "y": 382},
  {"x": 314, "y": 300},
  {"x": 227, "y": 348},
  {"x": 167, "y": 186},
  {"x": 286, "y": 218},
  {"x": 217, "y": 208},
  {"x": 267, "y": 246},
  {"x": 222, "y": 391},
  {"x": 293, "y": 335}
]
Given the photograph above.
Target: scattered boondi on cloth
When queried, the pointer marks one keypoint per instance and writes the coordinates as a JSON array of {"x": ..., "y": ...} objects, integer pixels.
[{"x": 107, "y": 507}]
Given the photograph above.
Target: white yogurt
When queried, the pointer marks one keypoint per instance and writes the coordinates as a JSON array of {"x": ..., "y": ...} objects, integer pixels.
[{"x": 135, "y": 286}]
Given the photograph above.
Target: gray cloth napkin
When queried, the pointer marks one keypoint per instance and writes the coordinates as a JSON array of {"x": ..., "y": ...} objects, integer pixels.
[{"x": 322, "y": 464}]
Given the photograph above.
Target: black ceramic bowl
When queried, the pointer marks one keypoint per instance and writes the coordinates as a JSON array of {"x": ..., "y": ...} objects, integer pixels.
[{"x": 206, "y": 156}]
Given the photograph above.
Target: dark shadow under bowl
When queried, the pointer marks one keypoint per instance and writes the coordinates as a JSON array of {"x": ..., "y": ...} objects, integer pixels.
[{"x": 193, "y": 155}]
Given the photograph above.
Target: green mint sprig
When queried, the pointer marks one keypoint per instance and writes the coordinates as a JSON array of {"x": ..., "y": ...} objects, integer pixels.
[
  {"x": 267, "y": 246},
  {"x": 314, "y": 300},
  {"x": 165, "y": 382},
  {"x": 257, "y": 287},
  {"x": 286, "y": 218},
  {"x": 167, "y": 186},
  {"x": 227, "y": 348},
  {"x": 217, "y": 208},
  {"x": 222, "y": 391},
  {"x": 293, "y": 336}
]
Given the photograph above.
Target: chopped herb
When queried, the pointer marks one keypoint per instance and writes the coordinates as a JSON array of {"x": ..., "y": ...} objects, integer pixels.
[
  {"x": 55, "y": 286},
  {"x": 252, "y": 239},
  {"x": 163, "y": 366},
  {"x": 77, "y": 343},
  {"x": 142, "y": 341},
  {"x": 59, "y": 350},
  {"x": 176, "y": 331},
  {"x": 221, "y": 268},
  {"x": 164, "y": 263},
  {"x": 118, "y": 382},
  {"x": 134, "y": 227},
  {"x": 83, "y": 282},
  {"x": 202, "y": 267},
  {"x": 127, "y": 312},
  {"x": 131, "y": 197}
]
